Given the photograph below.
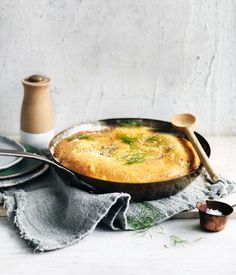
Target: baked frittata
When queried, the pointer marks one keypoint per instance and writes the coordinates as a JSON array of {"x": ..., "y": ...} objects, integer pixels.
[{"x": 127, "y": 154}]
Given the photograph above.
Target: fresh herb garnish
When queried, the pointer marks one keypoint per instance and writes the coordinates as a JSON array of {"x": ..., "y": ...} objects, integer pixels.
[
  {"x": 158, "y": 140},
  {"x": 127, "y": 139},
  {"x": 153, "y": 138},
  {"x": 131, "y": 123},
  {"x": 176, "y": 241},
  {"x": 145, "y": 216},
  {"x": 81, "y": 136},
  {"x": 135, "y": 158}
]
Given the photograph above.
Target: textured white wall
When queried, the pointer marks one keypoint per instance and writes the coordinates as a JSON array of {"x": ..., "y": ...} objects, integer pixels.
[{"x": 110, "y": 58}]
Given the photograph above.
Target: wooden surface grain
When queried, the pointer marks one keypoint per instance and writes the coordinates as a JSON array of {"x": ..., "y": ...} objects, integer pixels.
[{"x": 130, "y": 253}]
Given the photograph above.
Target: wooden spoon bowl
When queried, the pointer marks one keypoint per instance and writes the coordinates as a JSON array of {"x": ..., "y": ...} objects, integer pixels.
[{"x": 186, "y": 123}]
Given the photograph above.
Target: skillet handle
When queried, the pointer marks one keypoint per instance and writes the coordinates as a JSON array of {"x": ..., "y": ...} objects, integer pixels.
[
  {"x": 202, "y": 155},
  {"x": 15, "y": 153}
]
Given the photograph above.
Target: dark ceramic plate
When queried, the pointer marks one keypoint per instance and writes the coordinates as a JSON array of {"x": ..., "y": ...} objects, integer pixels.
[
  {"x": 138, "y": 191},
  {"x": 23, "y": 167},
  {"x": 5, "y": 183}
]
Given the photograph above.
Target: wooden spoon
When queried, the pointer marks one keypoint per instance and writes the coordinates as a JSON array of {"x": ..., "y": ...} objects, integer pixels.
[{"x": 186, "y": 123}]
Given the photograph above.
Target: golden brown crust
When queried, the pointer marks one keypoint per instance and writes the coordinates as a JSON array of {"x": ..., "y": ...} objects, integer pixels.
[{"x": 128, "y": 154}]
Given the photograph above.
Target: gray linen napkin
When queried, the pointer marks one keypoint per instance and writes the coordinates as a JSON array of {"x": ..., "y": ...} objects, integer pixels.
[{"x": 50, "y": 214}]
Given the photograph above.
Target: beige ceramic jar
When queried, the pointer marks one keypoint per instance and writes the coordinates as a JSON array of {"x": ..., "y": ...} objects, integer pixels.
[{"x": 36, "y": 124}]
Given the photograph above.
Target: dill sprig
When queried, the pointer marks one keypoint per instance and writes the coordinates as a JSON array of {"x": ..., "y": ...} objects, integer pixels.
[
  {"x": 137, "y": 157},
  {"x": 80, "y": 136},
  {"x": 153, "y": 138},
  {"x": 145, "y": 216},
  {"x": 127, "y": 139},
  {"x": 158, "y": 140},
  {"x": 176, "y": 241},
  {"x": 131, "y": 123}
]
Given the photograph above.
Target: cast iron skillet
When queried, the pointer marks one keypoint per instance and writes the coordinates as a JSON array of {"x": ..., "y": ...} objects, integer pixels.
[{"x": 138, "y": 191}]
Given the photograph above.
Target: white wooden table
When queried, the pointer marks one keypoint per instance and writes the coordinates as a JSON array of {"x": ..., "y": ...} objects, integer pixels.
[{"x": 108, "y": 252}]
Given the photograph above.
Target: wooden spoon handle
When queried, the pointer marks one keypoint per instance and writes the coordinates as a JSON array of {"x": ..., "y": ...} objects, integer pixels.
[{"x": 201, "y": 153}]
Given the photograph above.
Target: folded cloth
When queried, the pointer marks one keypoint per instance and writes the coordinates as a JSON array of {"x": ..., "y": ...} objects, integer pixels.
[{"x": 50, "y": 214}]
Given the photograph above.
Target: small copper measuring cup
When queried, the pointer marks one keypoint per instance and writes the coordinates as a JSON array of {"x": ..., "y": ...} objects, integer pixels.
[{"x": 211, "y": 222}]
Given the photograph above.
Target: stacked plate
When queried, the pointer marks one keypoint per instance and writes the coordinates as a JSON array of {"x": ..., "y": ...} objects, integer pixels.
[{"x": 17, "y": 170}]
